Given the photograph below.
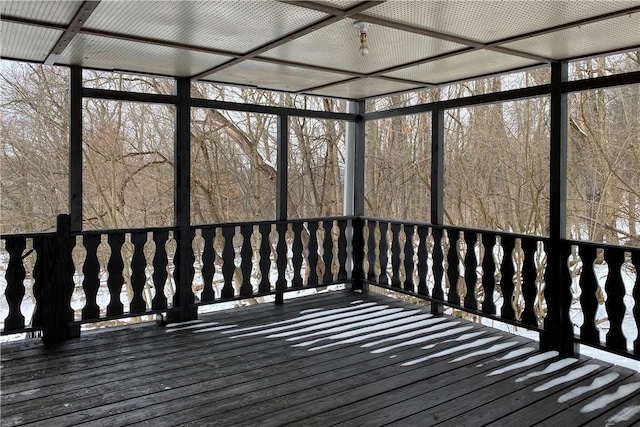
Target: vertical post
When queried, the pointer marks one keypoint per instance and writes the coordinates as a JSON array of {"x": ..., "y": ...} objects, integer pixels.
[
  {"x": 182, "y": 205},
  {"x": 57, "y": 289},
  {"x": 282, "y": 180},
  {"x": 75, "y": 149},
  {"x": 558, "y": 330},
  {"x": 437, "y": 181},
  {"x": 356, "y": 163}
]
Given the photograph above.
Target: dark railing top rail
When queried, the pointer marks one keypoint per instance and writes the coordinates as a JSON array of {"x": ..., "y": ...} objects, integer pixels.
[
  {"x": 274, "y": 221},
  {"x": 93, "y": 232},
  {"x": 457, "y": 228},
  {"x": 29, "y": 235}
]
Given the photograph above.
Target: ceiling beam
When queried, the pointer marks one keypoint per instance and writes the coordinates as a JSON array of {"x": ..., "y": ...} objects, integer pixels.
[
  {"x": 339, "y": 15},
  {"x": 85, "y": 11},
  {"x": 566, "y": 26}
]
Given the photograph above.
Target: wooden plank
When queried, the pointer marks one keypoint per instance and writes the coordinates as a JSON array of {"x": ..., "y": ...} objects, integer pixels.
[
  {"x": 346, "y": 392},
  {"x": 347, "y": 409},
  {"x": 28, "y": 351},
  {"x": 607, "y": 398},
  {"x": 360, "y": 366},
  {"x": 356, "y": 372},
  {"x": 237, "y": 343},
  {"x": 553, "y": 403},
  {"x": 624, "y": 415},
  {"x": 198, "y": 388},
  {"x": 466, "y": 404}
]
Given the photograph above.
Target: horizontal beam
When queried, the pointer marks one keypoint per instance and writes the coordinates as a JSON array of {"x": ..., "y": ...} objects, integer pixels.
[
  {"x": 490, "y": 98},
  {"x": 117, "y": 95},
  {"x": 266, "y": 109}
]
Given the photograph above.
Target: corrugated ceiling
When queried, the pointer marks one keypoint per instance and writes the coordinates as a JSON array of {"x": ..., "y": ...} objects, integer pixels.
[{"x": 313, "y": 47}]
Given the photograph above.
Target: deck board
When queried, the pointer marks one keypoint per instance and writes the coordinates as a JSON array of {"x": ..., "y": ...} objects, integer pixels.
[{"x": 337, "y": 358}]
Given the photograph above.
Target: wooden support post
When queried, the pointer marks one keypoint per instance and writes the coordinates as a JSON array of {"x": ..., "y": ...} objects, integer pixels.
[
  {"x": 75, "y": 148},
  {"x": 357, "y": 163},
  {"x": 184, "y": 309},
  {"x": 558, "y": 329},
  {"x": 56, "y": 285},
  {"x": 437, "y": 182},
  {"x": 282, "y": 184},
  {"x": 358, "y": 255}
]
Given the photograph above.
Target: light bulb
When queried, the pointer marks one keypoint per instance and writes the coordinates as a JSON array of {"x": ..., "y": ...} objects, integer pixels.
[{"x": 363, "y": 28}]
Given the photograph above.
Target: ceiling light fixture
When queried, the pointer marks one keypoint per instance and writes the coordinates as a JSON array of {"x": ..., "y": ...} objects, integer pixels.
[{"x": 363, "y": 28}]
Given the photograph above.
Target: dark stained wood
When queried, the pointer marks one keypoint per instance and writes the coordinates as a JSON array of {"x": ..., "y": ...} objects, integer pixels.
[
  {"x": 358, "y": 247},
  {"x": 488, "y": 273},
  {"x": 438, "y": 270},
  {"x": 208, "y": 268},
  {"x": 452, "y": 268},
  {"x": 91, "y": 282},
  {"x": 423, "y": 267},
  {"x": 371, "y": 246},
  {"x": 190, "y": 375},
  {"x": 384, "y": 226},
  {"x": 513, "y": 412},
  {"x": 342, "y": 249},
  {"x": 615, "y": 298},
  {"x": 247, "y": 262},
  {"x": 635, "y": 258},
  {"x": 138, "y": 277},
  {"x": 470, "y": 275},
  {"x": 327, "y": 256},
  {"x": 115, "y": 281},
  {"x": 281, "y": 256},
  {"x": 313, "y": 251},
  {"x": 529, "y": 275},
  {"x": 228, "y": 255},
  {"x": 395, "y": 254},
  {"x": 265, "y": 258},
  {"x": 296, "y": 248},
  {"x": 506, "y": 282},
  {"x": 15, "y": 275},
  {"x": 160, "y": 262},
  {"x": 408, "y": 258},
  {"x": 588, "y": 299}
]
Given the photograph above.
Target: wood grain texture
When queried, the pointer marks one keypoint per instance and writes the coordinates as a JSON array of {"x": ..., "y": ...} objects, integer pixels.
[{"x": 459, "y": 373}]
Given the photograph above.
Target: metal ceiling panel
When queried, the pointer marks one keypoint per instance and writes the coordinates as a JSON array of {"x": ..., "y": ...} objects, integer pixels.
[
  {"x": 271, "y": 76},
  {"x": 487, "y": 21},
  {"x": 613, "y": 34},
  {"x": 463, "y": 66},
  {"x": 26, "y": 42},
  {"x": 237, "y": 26},
  {"x": 123, "y": 55},
  {"x": 337, "y": 46},
  {"x": 340, "y": 4},
  {"x": 57, "y": 12},
  {"x": 363, "y": 88}
]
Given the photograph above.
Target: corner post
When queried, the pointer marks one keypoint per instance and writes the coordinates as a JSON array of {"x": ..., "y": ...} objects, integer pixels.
[
  {"x": 75, "y": 149},
  {"x": 354, "y": 190},
  {"x": 57, "y": 289},
  {"x": 184, "y": 309},
  {"x": 558, "y": 329},
  {"x": 282, "y": 180},
  {"x": 437, "y": 181}
]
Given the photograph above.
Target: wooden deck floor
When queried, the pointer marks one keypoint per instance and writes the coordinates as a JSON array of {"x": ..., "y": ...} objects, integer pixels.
[{"x": 330, "y": 359}]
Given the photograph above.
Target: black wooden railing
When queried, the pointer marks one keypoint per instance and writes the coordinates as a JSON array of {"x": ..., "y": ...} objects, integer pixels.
[
  {"x": 506, "y": 277},
  {"x": 57, "y": 281},
  {"x": 114, "y": 274}
]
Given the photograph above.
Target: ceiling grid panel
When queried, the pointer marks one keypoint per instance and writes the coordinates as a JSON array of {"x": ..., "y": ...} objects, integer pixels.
[
  {"x": 122, "y": 55},
  {"x": 26, "y": 42},
  {"x": 55, "y": 12},
  {"x": 236, "y": 26}
]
